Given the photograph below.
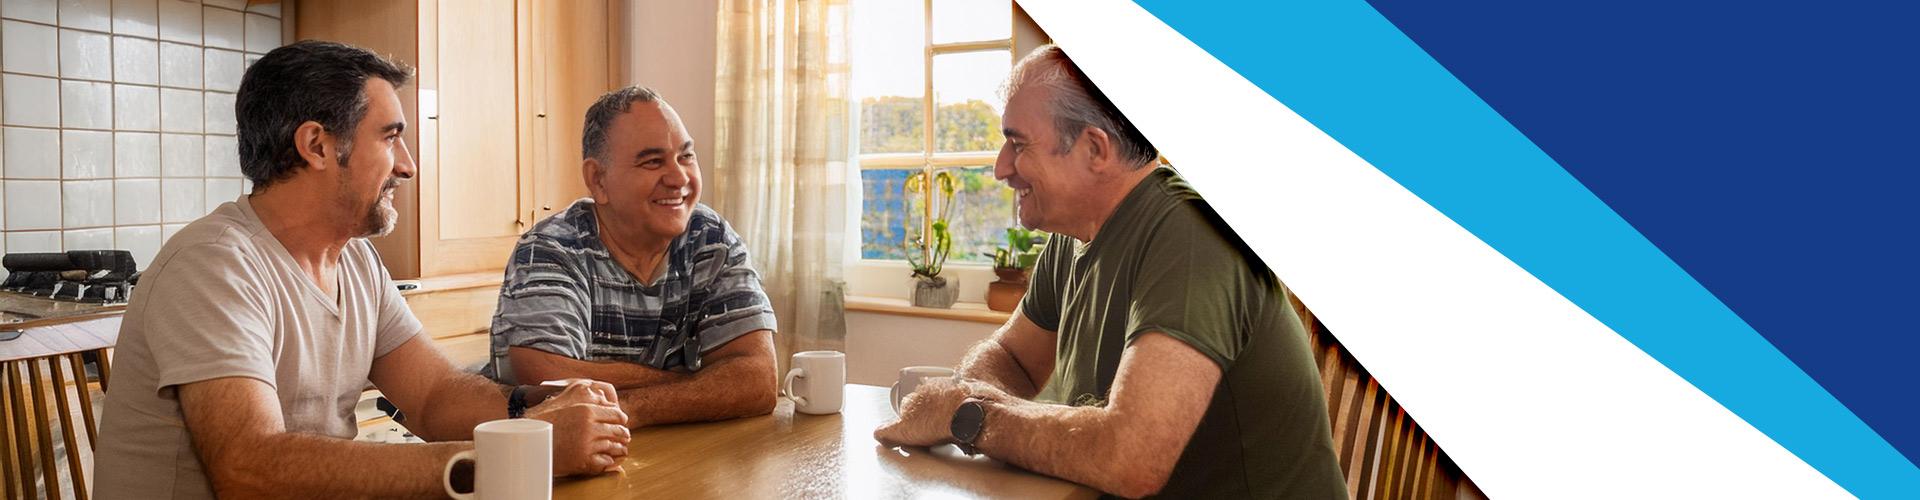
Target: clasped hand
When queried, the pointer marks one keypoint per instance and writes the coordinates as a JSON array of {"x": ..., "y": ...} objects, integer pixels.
[{"x": 590, "y": 433}]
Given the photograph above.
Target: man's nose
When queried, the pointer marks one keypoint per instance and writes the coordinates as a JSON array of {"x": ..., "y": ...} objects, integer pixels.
[
  {"x": 403, "y": 166},
  {"x": 676, "y": 175},
  {"x": 1003, "y": 164}
]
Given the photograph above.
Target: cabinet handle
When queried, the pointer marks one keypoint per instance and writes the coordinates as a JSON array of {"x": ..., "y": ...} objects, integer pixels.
[
  {"x": 548, "y": 208},
  {"x": 540, "y": 115}
]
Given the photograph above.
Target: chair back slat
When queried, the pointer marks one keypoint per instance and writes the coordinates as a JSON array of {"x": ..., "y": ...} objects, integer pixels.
[
  {"x": 44, "y": 425},
  {"x": 45, "y": 390},
  {"x": 75, "y": 471},
  {"x": 79, "y": 364},
  {"x": 1382, "y": 451}
]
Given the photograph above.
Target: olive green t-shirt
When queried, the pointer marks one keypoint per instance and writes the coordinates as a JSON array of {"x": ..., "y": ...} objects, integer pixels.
[{"x": 1163, "y": 262}]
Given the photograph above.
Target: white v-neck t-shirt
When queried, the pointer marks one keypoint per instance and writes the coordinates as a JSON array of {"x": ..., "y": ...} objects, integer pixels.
[{"x": 222, "y": 299}]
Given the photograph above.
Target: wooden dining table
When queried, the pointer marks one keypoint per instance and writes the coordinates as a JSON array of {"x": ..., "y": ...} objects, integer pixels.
[{"x": 796, "y": 455}]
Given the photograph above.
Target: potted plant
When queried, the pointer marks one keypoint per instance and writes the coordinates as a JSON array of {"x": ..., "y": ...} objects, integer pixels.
[
  {"x": 1011, "y": 265},
  {"x": 927, "y": 249}
]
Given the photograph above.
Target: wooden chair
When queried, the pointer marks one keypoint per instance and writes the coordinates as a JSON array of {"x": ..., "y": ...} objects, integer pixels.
[
  {"x": 44, "y": 391},
  {"x": 1381, "y": 449}
]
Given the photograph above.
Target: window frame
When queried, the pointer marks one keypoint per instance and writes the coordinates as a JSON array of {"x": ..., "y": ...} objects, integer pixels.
[{"x": 869, "y": 277}]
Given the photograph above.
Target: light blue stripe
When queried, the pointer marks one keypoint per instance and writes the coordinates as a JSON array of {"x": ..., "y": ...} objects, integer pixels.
[{"x": 1345, "y": 68}]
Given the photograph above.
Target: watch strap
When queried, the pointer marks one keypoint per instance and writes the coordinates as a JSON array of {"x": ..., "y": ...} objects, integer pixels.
[{"x": 517, "y": 402}]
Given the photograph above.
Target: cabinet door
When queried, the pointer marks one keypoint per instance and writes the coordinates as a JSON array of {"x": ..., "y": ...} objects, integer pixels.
[
  {"x": 571, "y": 58},
  {"x": 481, "y": 162}
]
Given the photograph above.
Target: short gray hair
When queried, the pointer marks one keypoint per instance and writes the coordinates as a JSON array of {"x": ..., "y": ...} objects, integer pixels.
[
  {"x": 1077, "y": 104},
  {"x": 593, "y": 136}
]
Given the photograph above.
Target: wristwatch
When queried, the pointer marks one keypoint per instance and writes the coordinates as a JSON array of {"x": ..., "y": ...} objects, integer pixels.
[
  {"x": 517, "y": 401},
  {"x": 969, "y": 422}
]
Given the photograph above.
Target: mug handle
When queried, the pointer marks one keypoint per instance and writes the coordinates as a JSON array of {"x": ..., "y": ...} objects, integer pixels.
[
  {"x": 893, "y": 394},
  {"x": 786, "y": 387},
  {"x": 446, "y": 476}
]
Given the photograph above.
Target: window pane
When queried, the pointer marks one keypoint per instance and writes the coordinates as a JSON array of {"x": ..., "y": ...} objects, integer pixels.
[
  {"x": 972, "y": 20},
  {"x": 966, "y": 90},
  {"x": 982, "y": 211},
  {"x": 889, "y": 74}
]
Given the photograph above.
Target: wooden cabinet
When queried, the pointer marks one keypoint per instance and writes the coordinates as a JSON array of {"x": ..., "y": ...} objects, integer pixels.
[{"x": 495, "y": 113}]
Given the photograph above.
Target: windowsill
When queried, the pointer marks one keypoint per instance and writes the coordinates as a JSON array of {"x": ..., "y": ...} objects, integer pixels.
[{"x": 961, "y": 311}]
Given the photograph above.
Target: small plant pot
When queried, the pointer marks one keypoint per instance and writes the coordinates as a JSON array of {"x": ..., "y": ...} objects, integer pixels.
[
  {"x": 1005, "y": 293},
  {"x": 939, "y": 293}
]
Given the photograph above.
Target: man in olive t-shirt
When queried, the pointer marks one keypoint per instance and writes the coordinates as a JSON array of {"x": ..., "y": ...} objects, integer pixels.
[{"x": 1154, "y": 353}]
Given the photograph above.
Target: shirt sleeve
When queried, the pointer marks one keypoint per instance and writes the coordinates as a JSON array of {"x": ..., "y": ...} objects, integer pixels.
[
  {"x": 206, "y": 317},
  {"x": 735, "y": 303},
  {"x": 397, "y": 323},
  {"x": 1192, "y": 286},
  {"x": 1042, "y": 303},
  {"x": 544, "y": 301}
]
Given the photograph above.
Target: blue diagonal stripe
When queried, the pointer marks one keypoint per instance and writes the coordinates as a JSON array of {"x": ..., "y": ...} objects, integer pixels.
[{"x": 1345, "y": 68}]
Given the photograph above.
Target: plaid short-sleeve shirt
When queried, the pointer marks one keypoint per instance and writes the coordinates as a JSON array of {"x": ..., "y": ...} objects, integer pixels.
[{"x": 564, "y": 294}]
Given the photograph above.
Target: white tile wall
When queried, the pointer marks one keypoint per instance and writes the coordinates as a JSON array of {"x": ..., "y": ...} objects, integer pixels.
[
  {"x": 33, "y": 204},
  {"x": 179, "y": 65},
  {"x": 224, "y": 69},
  {"x": 183, "y": 200},
  {"x": 86, "y": 204},
  {"x": 136, "y": 60},
  {"x": 136, "y": 107},
  {"x": 225, "y": 28},
  {"x": 136, "y": 17},
  {"x": 118, "y": 117},
  {"x": 143, "y": 241},
  {"x": 136, "y": 154},
  {"x": 40, "y": 11},
  {"x": 30, "y": 101},
  {"x": 86, "y": 55},
  {"x": 33, "y": 241},
  {"x": 88, "y": 239},
  {"x": 182, "y": 155},
  {"x": 223, "y": 156},
  {"x": 220, "y": 119},
  {"x": 86, "y": 154},
  {"x": 26, "y": 48},
  {"x": 136, "y": 201},
  {"x": 180, "y": 21},
  {"x": 221, "y": 191},
  {"x": 86, "y": 14},
  {"x": 86, "y": 104},
  {"x": 31, "y": 153}
]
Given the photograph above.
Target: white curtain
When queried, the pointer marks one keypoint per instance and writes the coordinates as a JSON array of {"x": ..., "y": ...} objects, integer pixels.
[{"x": 782, "y": 144}]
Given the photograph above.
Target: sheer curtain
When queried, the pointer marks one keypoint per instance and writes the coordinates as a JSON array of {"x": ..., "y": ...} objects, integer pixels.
[{"x": 782, "y": 141}]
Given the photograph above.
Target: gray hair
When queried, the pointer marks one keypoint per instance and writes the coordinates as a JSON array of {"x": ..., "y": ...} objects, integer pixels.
[
  {"x": 310, "y": 80},
  {"x": 593, "y": 136},
  {"x": 1077, "y": 104}
]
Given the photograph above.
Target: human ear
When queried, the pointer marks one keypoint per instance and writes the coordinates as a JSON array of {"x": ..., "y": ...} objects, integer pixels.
[{"x": 314, "y": 144}]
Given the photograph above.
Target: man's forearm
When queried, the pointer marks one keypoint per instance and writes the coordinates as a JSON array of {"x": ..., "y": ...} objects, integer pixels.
[
  {"x": 1082, "y": 444},
  {"x": 319, "y": 466},
  {"x": 729, "y": 388},
  {"x": 456, "y": 405},
  {"x": 991, "y": 362}
]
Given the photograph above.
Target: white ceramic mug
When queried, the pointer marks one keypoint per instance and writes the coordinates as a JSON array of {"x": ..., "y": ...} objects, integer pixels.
[
  {"x": 512, "y": 458},
  {"x": 816, "y": 381},
  {"x": 910, "y": 379}
]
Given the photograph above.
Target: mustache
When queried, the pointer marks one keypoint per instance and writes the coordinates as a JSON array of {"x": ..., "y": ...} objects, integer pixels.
[{"x": 391, "y": 184}]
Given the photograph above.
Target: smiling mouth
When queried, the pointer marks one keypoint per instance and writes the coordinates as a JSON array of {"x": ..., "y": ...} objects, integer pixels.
[{"x": 676, "y": 201}]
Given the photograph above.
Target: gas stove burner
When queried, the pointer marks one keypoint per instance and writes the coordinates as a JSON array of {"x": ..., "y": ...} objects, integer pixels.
[{"x": 96, "y": 276}]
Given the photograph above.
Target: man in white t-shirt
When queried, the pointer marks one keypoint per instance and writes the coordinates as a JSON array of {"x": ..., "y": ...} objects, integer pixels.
[{"x": 250, "y": 338}]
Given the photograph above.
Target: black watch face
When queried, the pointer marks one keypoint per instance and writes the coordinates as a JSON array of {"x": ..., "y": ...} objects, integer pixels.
[{"x": 967, "y": 421}]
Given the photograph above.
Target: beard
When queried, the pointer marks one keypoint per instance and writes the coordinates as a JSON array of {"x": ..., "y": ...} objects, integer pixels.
[{"x": 379, "y": 217}]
